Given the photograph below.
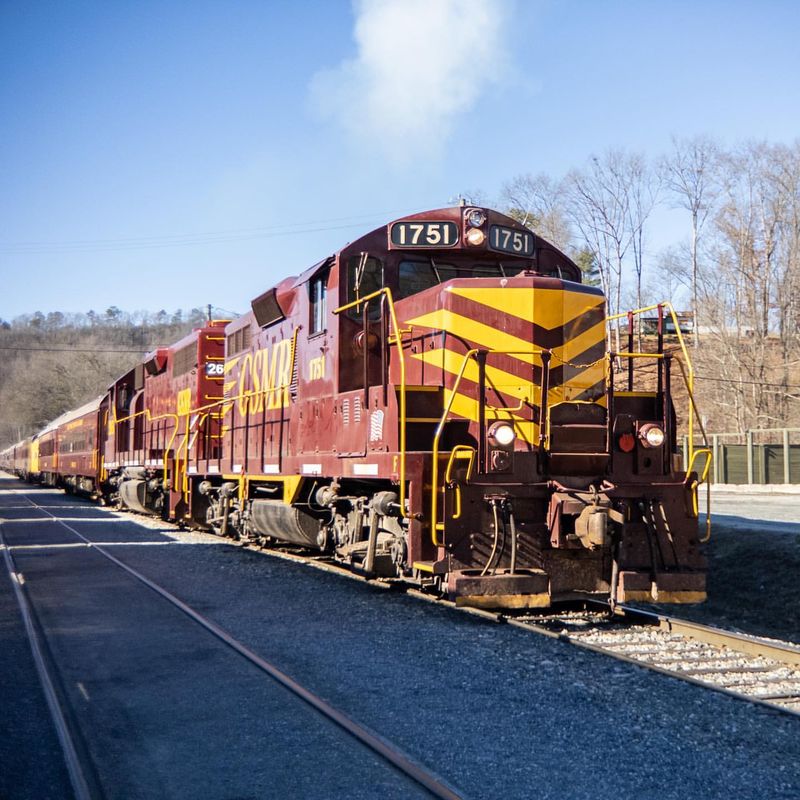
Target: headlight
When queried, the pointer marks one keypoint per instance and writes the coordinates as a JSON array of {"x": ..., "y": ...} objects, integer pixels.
[
  {"x": 475, "y": 236},
  {"x": 503, "y": 434},
  {"x": 475, "y": 218},
  {"x": 651, "y": 435}
]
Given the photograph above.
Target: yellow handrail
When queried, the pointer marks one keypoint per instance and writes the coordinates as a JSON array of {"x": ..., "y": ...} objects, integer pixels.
[
  {"x": 701, "y": 451},
  {"x": 687, "y": 374},
  {"x": 436, "y": 526},
  {"x": 459, "y": 451},
  {"x": 398, "y": 340},
  {"x": 114, "y": 421},
  {"x": 436, "y": 436}
]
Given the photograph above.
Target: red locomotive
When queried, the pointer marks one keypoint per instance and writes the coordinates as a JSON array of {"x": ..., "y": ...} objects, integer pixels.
[{"x": 435, "y": 403}]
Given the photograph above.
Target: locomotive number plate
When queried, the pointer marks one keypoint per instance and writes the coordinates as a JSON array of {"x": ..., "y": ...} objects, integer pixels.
[
  {"x": 425, "y": 233},
  {"x": 508, "y": 240}
]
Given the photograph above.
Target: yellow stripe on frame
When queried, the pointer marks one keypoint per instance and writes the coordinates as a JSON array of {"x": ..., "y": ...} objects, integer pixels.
[
  {"x": 504, "y": 381},
  {"x": 573, "y": 348}
]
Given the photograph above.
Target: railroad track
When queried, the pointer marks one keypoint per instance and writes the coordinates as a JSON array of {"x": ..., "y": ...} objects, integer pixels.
[
  {"x": 83, "y": 783},
  {"x": 750, "y": 668},
  {"x": 763, "y": 671}
]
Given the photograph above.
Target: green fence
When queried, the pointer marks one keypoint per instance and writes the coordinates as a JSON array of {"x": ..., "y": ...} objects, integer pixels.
[{"x": 764, "y": 456}]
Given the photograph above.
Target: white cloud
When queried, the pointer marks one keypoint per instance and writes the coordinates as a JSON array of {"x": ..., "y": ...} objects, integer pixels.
[{"x": 420, "y": 64}]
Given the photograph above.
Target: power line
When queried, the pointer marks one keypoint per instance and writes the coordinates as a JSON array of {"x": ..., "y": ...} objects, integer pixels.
[
  {"x": 750, "y": 383},
  {"x": 76, "y": 349},
  {"x": 192, "y": 239}
]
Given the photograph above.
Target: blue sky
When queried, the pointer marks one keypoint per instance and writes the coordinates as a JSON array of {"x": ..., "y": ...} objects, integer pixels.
[{"x": 165, "y": 155}]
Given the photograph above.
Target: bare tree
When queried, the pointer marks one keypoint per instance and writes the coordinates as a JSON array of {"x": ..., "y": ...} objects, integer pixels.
[
  {"x": 690, "y": 174},
  {"x": 750, "y": 293},
  {"x": 599, "y": 204},
  {"x": 538, "y": 201},
  {"x": 643, "y": 186}
]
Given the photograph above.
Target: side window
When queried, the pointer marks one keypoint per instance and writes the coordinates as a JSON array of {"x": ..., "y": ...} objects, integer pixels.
[
  {"x": 318, "y": 303},
  {"x": 364, "y": 276}
]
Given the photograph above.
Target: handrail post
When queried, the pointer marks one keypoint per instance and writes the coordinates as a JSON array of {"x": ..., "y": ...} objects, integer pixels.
[
  {"x": 786, "y": 454},
  {"x": 543, "y": 408},
  {"x": 660, "y": 348},
  {"x": 715, "y": 456},
  {"x": 481, "y": 359},
  {"x": 365, "y": 351},
  {"x": 384, "y": 359},
  {"x": 630, "y": 350}
]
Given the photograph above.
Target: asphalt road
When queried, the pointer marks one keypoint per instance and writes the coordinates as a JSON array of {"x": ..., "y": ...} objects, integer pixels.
[
  {"x": 164, "y": 709},
  {"x": 498, "y": 712},
  {"x": 771, "y": 510}
]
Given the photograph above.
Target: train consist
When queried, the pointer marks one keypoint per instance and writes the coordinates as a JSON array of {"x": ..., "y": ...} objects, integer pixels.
[{"x": 436, "y": 402}]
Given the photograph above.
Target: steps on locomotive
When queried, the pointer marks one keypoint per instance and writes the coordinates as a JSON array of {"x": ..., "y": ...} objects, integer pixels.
[
  {"x": 578, "y": 438},
  {"x": 424, "y": 406}
]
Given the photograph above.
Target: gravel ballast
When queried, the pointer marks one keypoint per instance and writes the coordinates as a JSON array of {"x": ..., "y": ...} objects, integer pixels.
[{"x": 498, "y": 712}]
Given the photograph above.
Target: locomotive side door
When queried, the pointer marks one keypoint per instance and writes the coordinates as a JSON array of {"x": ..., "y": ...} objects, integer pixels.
[{"x": 360, "y": 361}]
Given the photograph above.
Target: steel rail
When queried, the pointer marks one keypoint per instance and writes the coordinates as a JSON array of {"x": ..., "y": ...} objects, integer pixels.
[
  {"x": 743, "y": 644},
  {"x": 786, "y": 653},
  {"x": 390, "y": 753},
  {"x": 75, "y": 770}
]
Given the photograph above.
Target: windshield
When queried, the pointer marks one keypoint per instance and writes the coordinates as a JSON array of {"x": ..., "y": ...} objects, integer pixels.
[{"x": 416, "y": 276}]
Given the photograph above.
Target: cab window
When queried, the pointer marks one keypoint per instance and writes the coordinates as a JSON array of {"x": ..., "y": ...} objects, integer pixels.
[
  {"x": 318, "y": 303},
  {"x": 416, "y": 276},
  {"x": 364, "y": 277}
]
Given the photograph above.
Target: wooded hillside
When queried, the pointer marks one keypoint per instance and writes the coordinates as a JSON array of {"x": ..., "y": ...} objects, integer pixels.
[{"x": 55, "y": 362}]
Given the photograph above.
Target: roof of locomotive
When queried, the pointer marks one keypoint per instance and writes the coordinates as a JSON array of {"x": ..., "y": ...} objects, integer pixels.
[
  {"x": 68, "y": 416},
  {"x": 455, "y": 214},
  {"x": 284, "y": 289}
]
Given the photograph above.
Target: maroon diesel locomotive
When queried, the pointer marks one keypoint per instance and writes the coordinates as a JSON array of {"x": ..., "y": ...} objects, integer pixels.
[{"x": 434, "y": 403}]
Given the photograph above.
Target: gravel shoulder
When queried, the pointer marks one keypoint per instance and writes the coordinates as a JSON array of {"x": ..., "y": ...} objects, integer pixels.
[
  {"x": 498, "y": 712},
  {"x": 754, "y": 566}
]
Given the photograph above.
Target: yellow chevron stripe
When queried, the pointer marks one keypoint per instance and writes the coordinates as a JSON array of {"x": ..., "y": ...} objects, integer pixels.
[
  {"x": 549, "y": 308},
  {"x": 583, "y": 380},
  {"x": 477, "y": 332},
  {"x": 231, "y": 363},
  {"x": 467, "y": 407},
  {"x": 493, "y": 339},
  {"x": 572, "y": 349},
  {"x": 509, "y": 383},
  {"x": 506, "y": 382}
]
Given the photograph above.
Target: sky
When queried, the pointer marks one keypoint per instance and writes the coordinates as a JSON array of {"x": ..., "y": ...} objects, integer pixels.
[{"x": 174, "y": 154}]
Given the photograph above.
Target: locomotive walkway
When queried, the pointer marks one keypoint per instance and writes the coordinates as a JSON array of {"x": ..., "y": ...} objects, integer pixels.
[{"x": 163, "y": 710}]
